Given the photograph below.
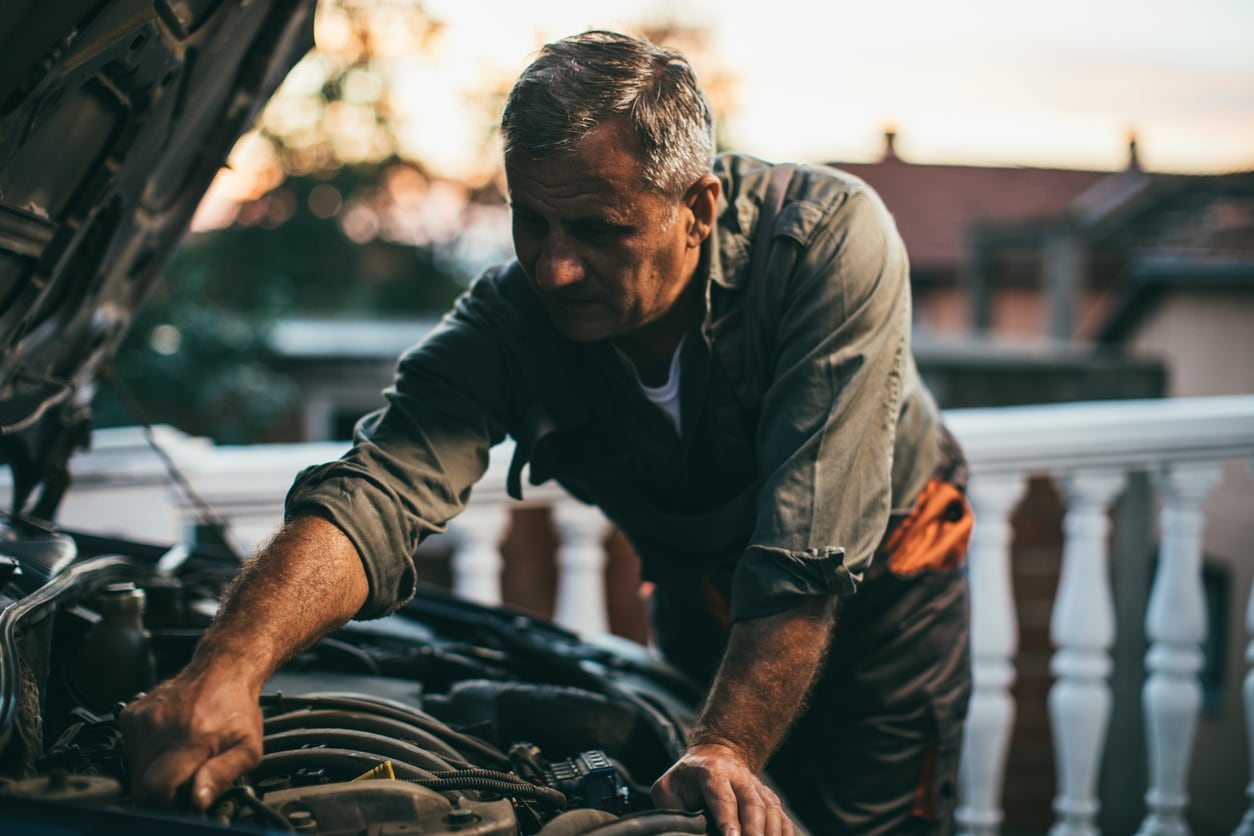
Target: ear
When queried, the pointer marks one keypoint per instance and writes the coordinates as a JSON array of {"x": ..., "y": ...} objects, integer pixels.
[{"x": 702, "y": 201}]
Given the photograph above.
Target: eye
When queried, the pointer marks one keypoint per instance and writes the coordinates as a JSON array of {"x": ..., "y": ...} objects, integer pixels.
[{"x": 529, "y": 220}]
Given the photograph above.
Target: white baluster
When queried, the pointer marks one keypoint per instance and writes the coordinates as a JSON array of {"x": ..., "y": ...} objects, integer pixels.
[
  {"x": 994, "y": 643},
  {"x": 581, "y": 568},
  {"x": 1176, "y": 626},
  {"x": 1246, "y": 827},
  {"x": 1082, "y": 627},
  {"x": 477, "y": 560}
]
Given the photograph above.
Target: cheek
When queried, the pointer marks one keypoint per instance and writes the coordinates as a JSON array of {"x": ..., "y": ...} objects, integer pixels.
[{"x": 667, "y": 265}]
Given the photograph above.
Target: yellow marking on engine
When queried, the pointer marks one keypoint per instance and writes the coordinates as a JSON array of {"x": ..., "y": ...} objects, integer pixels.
[{"x": 382, "y": 772}]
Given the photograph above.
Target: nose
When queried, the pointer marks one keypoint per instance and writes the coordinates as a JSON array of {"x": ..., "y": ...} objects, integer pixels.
[{"x": 558, "y": 267}]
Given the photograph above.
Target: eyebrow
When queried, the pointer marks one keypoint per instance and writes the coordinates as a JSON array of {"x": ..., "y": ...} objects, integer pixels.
[{"x": 611, "y": 219}]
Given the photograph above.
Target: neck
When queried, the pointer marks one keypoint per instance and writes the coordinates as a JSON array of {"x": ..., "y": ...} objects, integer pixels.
[{"x": 651, "y": 347}]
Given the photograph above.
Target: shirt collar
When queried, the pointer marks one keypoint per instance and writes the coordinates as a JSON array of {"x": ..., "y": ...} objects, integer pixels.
[{"x": 729, "y": 240}]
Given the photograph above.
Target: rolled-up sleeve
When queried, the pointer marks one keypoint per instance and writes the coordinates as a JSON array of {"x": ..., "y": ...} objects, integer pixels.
[
  {"x": 413, "y": 462},
  {"x": 827, "y": 429}
]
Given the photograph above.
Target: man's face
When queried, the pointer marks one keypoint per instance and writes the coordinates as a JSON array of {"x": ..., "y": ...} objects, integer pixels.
[{"x": 604, "y": 254}]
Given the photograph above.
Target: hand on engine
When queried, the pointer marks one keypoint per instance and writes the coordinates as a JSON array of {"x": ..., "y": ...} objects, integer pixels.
[
  {"x": 202, "y": 729},
  {"x": 198, "y": 731},
  {"x": 715, "y": 778}
]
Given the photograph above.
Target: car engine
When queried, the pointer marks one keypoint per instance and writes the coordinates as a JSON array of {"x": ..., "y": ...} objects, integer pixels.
[{"x": 445, "y": 718}]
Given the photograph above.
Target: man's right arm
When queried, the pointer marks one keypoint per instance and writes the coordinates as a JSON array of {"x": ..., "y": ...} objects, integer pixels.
[
  {"x": 353, "y": 525},
  {"x": 202, "y": 729}
]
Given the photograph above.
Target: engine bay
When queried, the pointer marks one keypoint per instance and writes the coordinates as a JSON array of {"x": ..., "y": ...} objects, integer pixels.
[{"x": 446, "y": 717}]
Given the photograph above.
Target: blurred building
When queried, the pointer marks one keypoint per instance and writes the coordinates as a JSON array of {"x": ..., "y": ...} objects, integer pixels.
[
  {"x": 1039, "y": 285},
  {"x": 1025, "y": 255},
  {"x": 341, "y": 366},
  {"x": 941, "y": 209}
]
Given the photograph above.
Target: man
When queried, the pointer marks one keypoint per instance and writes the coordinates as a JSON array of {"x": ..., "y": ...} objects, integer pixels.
[{"x": 716, "y": 355}]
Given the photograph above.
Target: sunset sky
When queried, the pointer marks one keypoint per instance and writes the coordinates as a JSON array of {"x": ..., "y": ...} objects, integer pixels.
[{"x": 985, "y": 81}]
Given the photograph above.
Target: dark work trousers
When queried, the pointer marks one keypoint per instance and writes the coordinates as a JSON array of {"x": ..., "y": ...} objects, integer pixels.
[{"x": 876, "y": 750}]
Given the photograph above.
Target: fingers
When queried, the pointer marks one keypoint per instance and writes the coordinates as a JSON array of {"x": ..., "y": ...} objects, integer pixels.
[
  {"x": 763, "y": 812},
  {"x": 207, "y": 775},
  {"x": 751, "y": 811},
  {"x": 723, "y": 805},
  {"x": 163, "y": 774},
  {"x": 217, "y": 774},
  {"x": 747, "y": 807},
  {"x": 759, "y": 810},
  {"x": 187, "y": 734},
  {"x": 158, "y": 764}
]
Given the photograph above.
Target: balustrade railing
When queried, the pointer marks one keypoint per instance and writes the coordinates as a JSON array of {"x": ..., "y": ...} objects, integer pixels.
[{"x": 1090, "y": 450}]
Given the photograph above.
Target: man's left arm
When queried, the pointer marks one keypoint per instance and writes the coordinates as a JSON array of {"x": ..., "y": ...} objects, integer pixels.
[
  {"x": 760, "y": 688},
  {"x": 825, "y": 441}
]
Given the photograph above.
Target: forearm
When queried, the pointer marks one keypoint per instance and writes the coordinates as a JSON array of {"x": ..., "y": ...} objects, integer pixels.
[
  {"x": 203, "y": 728},
  {"x": 766, "y": 673},
  {"x": 305, "y": 583}
]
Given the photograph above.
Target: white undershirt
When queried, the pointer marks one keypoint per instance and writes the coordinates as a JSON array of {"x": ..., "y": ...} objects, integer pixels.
[{"x": 666, "y": 396}]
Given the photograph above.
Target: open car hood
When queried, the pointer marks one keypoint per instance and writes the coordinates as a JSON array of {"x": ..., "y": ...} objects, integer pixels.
[{"x": 114, "y": 117}]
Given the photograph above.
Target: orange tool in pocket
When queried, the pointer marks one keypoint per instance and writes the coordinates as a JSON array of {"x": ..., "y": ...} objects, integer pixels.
[{"x": 934, "y": 536}]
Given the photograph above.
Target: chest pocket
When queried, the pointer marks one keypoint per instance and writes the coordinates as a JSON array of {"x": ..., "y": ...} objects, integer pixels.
[{"x": 743, "y": 338}]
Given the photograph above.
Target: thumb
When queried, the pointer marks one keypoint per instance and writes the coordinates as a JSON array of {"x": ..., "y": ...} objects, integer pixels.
[
  {"x": 217, "y": 774},
  {"x": 663, "y": 798},
  {"x": 670, "y": 792},
  {"x": 161, "y": 777}
]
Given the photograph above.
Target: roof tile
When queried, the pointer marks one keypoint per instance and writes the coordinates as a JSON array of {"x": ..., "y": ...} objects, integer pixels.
[{"x": 935, "y": 206}]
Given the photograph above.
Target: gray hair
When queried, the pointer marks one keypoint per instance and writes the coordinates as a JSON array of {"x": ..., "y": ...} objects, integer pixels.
[{"x": 578, "y": 82}]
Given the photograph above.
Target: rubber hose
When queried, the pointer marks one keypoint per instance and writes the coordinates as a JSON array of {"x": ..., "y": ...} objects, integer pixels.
[
  {"x": 366, "y": 722},
  {"x": 653, "y": 823},
  {"x": 472, "y": 772},
  {"x": 349, "y": 651},
  {"x": 366, "y": 742},
  {"x": 520, "y": 789},
  {"x": 576, "y": 822},
  {"x": 464, "y": 743}
]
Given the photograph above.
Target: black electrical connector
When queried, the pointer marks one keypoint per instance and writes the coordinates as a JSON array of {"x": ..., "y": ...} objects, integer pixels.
[{"x": 589, "y": 779}]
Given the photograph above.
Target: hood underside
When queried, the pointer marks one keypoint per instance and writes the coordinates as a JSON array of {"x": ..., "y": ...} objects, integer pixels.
[{"x": 114, "y": 118}]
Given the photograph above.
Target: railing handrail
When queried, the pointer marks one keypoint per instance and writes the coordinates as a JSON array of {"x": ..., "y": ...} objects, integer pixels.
[
  {"x": 1101, "y": 434},
  {"x": 1127, "y": 433}
]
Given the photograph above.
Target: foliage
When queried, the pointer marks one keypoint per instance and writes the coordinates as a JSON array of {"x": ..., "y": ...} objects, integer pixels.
[
  {"x": 197, "y": 357},
  {"x": 280, "y": 259}
]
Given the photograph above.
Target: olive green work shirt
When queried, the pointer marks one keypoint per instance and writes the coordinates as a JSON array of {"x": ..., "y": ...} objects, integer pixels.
[{"x": 804, "y": 420}]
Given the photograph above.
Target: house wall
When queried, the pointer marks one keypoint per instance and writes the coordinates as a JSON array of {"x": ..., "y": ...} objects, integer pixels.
[
  {"x": 943, "y": 311},
  {"x": 1206, "y": 340},
  {"x": 1019, "y": 313}
]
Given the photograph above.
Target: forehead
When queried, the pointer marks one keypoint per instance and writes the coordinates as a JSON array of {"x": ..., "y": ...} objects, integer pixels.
[{"x": 604, "y": 171}]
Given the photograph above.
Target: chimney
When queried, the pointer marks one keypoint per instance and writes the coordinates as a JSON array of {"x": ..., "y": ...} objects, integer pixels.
[
  {"x": 890, "y": 143},
  {"x": 1134, "y": 162}
]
